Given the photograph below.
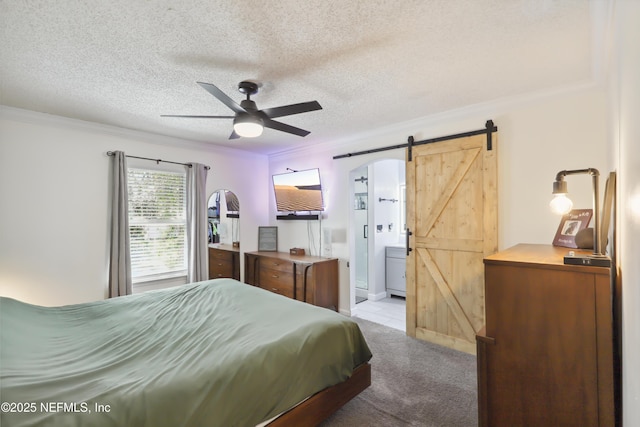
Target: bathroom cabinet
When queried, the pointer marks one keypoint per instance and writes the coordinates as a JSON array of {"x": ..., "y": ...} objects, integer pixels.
[{"x": 396, "y": 270}]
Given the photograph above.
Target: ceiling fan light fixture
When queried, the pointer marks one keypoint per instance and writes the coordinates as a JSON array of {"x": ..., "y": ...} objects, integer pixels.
[
  {"x": 248, "y": 126},
  {"x": 249, "y": 121}
]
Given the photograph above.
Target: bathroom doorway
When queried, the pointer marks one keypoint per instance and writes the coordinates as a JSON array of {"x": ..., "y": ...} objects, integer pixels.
[
  {"x": 361, "y": 228},
  {"x": 377, "y": 259}
]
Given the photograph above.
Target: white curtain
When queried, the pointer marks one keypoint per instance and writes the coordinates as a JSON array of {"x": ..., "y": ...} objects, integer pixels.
[
  {"x": 198, "y": 259},
  {"x": 120, "y": 256}
]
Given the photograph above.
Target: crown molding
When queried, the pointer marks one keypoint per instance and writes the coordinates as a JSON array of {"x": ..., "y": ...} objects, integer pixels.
[
  {"x": 392, "y": 134},
  {"x": 485, "y": 110},
  {"x": 38, "y": 118}
]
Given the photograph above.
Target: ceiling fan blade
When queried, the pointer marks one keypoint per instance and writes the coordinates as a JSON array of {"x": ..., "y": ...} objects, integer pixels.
[
  {"x": 234, "y": 135},
  {"x": 213, "y": 90},
  {"x": 287, "y": 110},
  {"x": 285, "y": 128},
  {"x": 198, "y": 117}
]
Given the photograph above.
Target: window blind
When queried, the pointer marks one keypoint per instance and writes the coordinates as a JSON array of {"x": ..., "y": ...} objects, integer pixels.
[{"x": 157, "y": 224}]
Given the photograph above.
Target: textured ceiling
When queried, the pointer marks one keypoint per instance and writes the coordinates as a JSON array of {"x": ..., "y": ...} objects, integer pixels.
[{"x": 370, "y": 64}]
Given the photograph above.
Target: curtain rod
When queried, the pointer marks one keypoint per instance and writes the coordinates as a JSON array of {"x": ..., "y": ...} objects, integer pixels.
[{"x": 111, "y": 153}]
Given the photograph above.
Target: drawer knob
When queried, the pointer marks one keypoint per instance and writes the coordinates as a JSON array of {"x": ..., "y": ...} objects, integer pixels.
[{"x": 275, "y": 276}]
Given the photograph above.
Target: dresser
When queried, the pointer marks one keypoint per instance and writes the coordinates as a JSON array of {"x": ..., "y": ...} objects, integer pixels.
[
  {"x": 302, "y": 277},
  {"x": 546, "y": 354},
  {"x": 396, "y": 270},
  {"x": 224, "y": 261}
]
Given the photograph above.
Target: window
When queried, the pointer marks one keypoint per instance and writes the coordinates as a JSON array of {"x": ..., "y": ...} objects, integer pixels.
[{"x": 157, "y": 224}]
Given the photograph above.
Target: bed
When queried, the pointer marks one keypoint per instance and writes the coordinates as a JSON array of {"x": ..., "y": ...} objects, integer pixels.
[{"x": 213, "y": 353}]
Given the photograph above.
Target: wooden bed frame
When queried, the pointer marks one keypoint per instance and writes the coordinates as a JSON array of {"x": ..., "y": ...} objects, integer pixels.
[{"x": 321, "y": 405}]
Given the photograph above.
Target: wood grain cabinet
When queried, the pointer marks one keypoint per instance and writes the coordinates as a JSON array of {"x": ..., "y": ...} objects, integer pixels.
[
  {"x": 546, "y": 354},
  {"x": 224, "y": 261},
  {"x": 305, "y": 278}
]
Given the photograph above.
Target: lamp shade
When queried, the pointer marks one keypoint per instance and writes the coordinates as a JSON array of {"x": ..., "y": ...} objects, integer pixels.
[
  {"x": 559, "y": 187},
  {"x": 248, "y": 126}
]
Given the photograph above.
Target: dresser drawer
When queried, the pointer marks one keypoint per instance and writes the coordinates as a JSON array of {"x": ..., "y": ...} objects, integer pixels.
[
  {"x": 220, "y": 268},
  {"x": 306, "y": 278},
  {"x": 276, "y": 264},
  {"x": 280, "y": 282},
  {"x": 215, "y": 254}
]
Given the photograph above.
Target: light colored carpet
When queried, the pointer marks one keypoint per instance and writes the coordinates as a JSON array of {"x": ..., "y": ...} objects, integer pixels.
[{"x": 413, "y": 383}]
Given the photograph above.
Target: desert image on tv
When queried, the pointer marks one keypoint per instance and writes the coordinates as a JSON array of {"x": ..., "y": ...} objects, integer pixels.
[{"x": 303, "y": 198}]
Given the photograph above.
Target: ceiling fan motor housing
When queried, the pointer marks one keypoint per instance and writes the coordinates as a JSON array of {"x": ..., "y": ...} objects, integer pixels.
[
  {"x": 248, "y": 88},
  {"x": 248, "y": 118},
  {"x": 248, "y": 105}
]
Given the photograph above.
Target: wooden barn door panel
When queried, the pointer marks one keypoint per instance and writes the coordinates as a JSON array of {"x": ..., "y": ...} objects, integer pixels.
[{"x": 452, "y": 214}]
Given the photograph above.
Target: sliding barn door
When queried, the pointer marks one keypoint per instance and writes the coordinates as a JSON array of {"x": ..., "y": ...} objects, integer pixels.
[{"x": 452, "y": 217}]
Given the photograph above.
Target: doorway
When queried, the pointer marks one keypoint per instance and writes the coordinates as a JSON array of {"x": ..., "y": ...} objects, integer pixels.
[
  {"x": 361, "y": 227},
  {"x": 377, "y": 227}
]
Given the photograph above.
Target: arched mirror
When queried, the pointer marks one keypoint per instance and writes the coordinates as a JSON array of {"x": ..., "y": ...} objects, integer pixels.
[{"x": 223, "y": 212}]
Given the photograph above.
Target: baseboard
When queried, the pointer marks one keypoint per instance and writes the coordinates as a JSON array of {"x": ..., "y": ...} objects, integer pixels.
[
  {"x": 344, "y": 312},
  {"x": 377, "y": 297}
]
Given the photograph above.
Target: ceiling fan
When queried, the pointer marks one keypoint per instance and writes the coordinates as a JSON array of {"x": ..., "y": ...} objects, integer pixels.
[{"x": 248, "y": 120}]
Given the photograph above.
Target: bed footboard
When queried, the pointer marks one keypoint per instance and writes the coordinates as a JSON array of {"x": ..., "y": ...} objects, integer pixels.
[{"x": 321, "y": 405}]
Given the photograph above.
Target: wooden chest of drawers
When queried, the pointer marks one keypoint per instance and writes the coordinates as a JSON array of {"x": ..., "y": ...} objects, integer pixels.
[
  {"x": 224, "y": 261},
  {"x": 546, "y": 355},
  {"x": 305, "y": 278}
]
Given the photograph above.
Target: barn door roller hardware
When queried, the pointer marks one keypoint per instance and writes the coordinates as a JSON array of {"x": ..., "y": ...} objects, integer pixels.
[
  {"x": 410, "y": 143},
  {"x": 489, "y": 125},
  {"x": 488, "y": 130}
]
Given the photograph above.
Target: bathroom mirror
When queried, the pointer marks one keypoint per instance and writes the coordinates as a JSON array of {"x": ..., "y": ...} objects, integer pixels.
[{"x": 223, "y": 215}]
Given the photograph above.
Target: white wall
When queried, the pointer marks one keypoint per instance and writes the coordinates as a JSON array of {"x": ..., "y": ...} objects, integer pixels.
[
  {"x": 625, "y": 131},
  {"x": 53, "y": 190},
  {"x": 537, "y": 137}
]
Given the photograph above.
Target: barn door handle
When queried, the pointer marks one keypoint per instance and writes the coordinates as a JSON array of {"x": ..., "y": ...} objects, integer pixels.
[{"x": 409, "y": 233}]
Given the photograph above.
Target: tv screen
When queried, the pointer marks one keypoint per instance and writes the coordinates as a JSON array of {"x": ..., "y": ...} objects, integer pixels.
[{"x": 298, "y": 191}]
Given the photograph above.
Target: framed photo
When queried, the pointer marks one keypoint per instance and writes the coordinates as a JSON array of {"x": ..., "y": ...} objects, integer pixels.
[
  {"x": 571, "y": 223},
  {"x": 268, "y": 239}
]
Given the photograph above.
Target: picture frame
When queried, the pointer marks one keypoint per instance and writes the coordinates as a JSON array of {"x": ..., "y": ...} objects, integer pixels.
[
  {"x": 570, "y": 225},
  {"x": 267, "y": 239}
]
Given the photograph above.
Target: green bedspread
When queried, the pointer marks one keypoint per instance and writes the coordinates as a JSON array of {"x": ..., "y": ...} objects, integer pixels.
[{"x": 214, "y": 353}]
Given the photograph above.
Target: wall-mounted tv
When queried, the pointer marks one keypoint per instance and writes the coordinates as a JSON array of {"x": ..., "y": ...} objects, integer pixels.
[{"x": 298, "y": 191}]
